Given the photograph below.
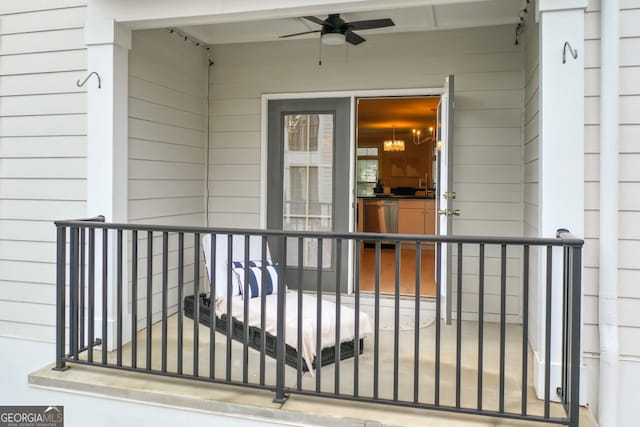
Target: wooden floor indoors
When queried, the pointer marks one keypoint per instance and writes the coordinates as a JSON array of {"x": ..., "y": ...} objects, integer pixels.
[{"x": 407, "y": 271}]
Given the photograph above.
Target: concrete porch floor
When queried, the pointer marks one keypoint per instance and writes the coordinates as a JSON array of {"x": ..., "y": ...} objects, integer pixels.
[{"x": 302, "y": 410}]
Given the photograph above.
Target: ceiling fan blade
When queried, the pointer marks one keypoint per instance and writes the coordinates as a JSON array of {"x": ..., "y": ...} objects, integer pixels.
[
  {"x": 353, "y": 38},
  {"x": 316, "y": 20},
  {"x": 298, "y": 34},
  {"x": 370, "y": 24}
]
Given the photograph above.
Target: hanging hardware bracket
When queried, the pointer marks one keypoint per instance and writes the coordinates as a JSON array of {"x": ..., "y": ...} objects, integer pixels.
[
  {"x": 574, "y": 53},
  {"x": 80, "y": 84}
]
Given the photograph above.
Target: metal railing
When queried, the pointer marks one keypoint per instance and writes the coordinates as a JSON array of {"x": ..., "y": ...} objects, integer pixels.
[{"x": 112, "y": 321}]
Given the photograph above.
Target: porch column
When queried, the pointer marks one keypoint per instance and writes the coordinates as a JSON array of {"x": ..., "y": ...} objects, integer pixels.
[
  {"x": 561, "y": 186},
  {"x": 108, "y": 49}
]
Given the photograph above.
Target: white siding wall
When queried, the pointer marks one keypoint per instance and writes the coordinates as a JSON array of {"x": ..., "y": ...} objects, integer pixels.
[
  {"x": 489, "y": 107},
  {"x": 531, "y": 156},
  {"x": 167, "y": 127},
  {"x": 629, "y": 207},
  {"x": 42, "y": 153}
]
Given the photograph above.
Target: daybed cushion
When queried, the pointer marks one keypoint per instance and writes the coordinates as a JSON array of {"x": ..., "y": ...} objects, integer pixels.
[{"x": 309, "y": 319}]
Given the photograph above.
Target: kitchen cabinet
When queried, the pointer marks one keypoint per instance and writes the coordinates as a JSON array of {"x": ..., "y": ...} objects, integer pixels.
[{"x": 416, "y": 216}]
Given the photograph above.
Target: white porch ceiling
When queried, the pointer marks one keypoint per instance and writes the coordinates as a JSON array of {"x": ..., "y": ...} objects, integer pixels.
[{"x": 421, "y": 18}]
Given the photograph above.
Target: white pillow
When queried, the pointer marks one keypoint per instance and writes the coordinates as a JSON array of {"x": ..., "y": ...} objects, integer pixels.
[{"x": 221, "y": 263}]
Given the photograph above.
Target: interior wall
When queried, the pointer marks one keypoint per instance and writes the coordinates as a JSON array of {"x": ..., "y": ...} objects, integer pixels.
[
  {"x": 167, "y": 137},
  {"x": 488, "y": 128}
]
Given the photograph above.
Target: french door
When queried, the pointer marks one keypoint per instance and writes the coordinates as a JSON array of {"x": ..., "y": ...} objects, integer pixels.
[{"x": 307, "y": 184}]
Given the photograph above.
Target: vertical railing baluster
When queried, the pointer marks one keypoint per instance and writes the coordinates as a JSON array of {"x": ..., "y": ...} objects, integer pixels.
[
  {"x": 105, "y": 287},
  {"x": 165, "y": 297},
  {"x": 318, "y": 359},
  {"x": 299, "y": 360},
  {"x": 525, "y": 327},
  {"x": 547, "y": 346},
  {"x": 119, "y": 298},
  {"x": 73, "y": 291},
  {"x": 230, "y": 295},
  {"x": 134, "y": 299},
  {"x": 281, "y": 318},
  {"x": 439, "y": 283},
  {"x": 459, "y": 327},
  {"x": 61, "y": 279},
  {"x": 246, "y": 297},
  {"x": 416, "y": 325},
  {"x": 503, "y": 320},
  {"x": 575, "y": 286},
  {"x": 376, "y": 327},
  {"x": 149, "y": 297},
  {"x": 566, "y": 268},
  {"x": 181, "y": 303},
  {"x": 356, "y": 334},
  {"x": 338, "y": 313},
  {"x": 396, "y": 320},
  {"x": 196, "y": 303},
  {"x": 91, "y": 315},
  {"x": 480, "y": 325},
  {"x": 82, "y": 286},
  {"x": 212, "y": 307},
  {"x": 263, "y": 308}
]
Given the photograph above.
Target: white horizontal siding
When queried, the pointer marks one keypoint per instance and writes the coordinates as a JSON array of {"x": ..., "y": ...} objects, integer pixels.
[
  {"x": 42, "y": 153},
  {"x": 629, "y": 204},
  {"x": 166, "y": 155}
]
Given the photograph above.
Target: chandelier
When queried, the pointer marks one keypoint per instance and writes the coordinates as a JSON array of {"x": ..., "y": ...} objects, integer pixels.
[
  {"x": 393, "y": 144},
  {"x": 418, "y": 139}
]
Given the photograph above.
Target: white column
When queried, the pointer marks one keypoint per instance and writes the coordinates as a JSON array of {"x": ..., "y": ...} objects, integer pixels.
[
  {"x": 108, "y": 49},
  {"x": 561, "y": 157}
]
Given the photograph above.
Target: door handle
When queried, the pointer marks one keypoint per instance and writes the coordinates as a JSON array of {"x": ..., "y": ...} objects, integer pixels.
[{"x": 449, "y": 212}]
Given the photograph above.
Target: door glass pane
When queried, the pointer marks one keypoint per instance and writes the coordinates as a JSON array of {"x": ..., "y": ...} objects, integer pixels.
[{"x": 308, "y": 182}]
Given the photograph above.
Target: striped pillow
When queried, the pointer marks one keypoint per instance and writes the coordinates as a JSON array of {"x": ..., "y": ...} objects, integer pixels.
[{"x": 256, "y": 287}]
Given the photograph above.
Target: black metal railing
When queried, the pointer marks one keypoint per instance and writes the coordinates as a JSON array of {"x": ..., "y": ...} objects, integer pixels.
[{"x": 128, "y": 297}]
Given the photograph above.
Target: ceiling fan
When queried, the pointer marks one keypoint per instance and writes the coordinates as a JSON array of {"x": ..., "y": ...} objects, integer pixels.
[{"x": 336, "y": 31}]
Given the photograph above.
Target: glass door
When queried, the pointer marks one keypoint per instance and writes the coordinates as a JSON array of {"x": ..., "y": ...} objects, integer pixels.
[{"x": 308, "y": 152}]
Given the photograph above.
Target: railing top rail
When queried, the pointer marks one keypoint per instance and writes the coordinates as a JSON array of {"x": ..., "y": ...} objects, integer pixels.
[{"x": 564, "y": 237}]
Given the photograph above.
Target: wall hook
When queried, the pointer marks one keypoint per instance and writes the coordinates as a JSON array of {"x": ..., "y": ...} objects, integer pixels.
[
  {"x": 79, "y": 84},
  {"x": 574, "y": 53}
]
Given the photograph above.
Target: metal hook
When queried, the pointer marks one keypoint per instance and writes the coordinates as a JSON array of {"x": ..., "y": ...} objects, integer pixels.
[
  {"x": 87, "y": 78},
  {"x": 574, "y": 53}
]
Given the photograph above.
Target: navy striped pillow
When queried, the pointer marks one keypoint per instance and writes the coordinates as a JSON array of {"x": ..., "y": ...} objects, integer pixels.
[{"x": 255, "y": 270}]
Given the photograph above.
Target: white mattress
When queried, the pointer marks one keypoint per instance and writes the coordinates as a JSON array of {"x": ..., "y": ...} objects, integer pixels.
[{"x": 309, "y": 318}]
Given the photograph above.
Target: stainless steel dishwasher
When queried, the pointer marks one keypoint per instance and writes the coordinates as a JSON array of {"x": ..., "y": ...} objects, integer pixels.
[{"x": 380, "y": 216}]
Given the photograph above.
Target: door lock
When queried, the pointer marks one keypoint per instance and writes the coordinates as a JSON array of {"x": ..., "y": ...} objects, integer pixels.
[{"x": 449, "y": 195}]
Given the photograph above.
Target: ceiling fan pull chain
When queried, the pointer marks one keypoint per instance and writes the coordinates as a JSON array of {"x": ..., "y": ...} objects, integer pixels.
[{"x": 320, "y": 52}]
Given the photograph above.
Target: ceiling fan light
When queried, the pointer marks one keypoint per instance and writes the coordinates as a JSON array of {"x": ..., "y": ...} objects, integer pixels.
[{"x": 333, "y": 39}]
